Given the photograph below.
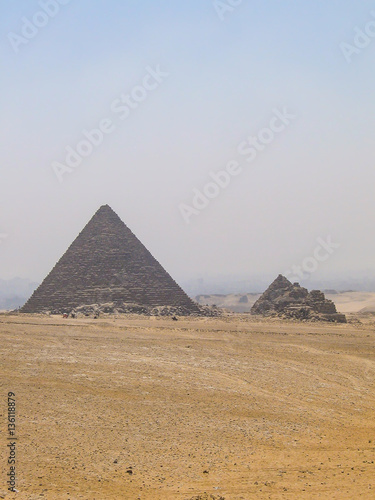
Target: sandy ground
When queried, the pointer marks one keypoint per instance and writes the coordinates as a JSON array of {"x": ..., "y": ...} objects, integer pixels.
[
  {"x": 232, "y": 408},
  {"x": 353, "y": 302}
]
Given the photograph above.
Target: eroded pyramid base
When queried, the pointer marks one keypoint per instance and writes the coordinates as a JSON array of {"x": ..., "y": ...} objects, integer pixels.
[{"x": 111, "y": 308}]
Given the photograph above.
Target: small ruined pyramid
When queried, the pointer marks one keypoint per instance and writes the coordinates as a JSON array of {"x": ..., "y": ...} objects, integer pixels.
[
  {"x": 107, "y": 263},
  {"x": 287, "y": 300}
]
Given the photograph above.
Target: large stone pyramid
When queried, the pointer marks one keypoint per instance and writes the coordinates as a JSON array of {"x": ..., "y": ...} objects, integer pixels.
[
  {"x": 107, "y": 263},
  {"x": 287, "y": 300}
]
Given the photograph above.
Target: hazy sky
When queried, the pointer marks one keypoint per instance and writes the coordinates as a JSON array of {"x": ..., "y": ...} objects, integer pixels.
[{"x": 231, "y": 72}]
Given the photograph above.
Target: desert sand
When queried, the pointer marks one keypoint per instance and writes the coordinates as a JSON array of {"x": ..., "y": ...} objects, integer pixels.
[
  {"x": 354, "y": 302},
  {"x": 204, "y": 408}
]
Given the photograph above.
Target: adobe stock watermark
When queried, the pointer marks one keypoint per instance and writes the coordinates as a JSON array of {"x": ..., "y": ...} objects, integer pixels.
[
  {"x": 249, "y": 148},
  {"x": 31, "y": 27},
  {"x": 224, "y": 7},
  {"x": 362, "y": 39},
  {"x": 122, "y": 107},
  {"x": 310, "y": 264}
]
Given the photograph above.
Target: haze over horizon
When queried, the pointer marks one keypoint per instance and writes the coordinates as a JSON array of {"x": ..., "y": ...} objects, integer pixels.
[{"x": 210, "y": 81}]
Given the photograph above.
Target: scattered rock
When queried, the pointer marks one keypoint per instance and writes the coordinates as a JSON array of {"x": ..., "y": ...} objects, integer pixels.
[
  {"x": 207, "y": 496},
  {"x": 109, "y": 308}
]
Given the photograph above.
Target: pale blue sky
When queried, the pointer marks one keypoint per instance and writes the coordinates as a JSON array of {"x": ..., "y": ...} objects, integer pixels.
[{"x": 225, "y": 78}]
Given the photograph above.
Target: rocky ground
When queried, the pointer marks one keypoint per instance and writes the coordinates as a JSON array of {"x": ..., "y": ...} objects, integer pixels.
[
  {"x": 200, "y": 408},
  {"x": 115, "y": 309}
]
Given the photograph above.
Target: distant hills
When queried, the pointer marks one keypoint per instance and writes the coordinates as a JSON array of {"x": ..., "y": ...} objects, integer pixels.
[
  {"x": 345, "y": 301},
  {"x": 15, "y": 292}
]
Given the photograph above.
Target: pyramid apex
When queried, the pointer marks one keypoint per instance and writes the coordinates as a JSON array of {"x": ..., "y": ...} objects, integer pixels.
[
  {"x": 282, "y": 280},
  {"x": 105, "y": 209}
]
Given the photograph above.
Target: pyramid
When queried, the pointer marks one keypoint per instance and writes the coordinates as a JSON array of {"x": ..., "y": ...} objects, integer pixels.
[
  {"x": 107, "y": 263},
  {"x": 284, "y": 299}
]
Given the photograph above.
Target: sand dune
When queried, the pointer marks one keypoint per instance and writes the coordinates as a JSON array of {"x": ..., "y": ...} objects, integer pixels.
[{"x": 354, "y": 302}]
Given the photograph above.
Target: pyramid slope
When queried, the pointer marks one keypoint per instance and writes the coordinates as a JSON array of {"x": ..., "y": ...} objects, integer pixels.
[{"x": 107, "y": 263}]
